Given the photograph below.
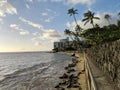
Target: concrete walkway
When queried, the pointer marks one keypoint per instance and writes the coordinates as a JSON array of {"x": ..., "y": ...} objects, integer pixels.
[{"x": 101, "y": 80}]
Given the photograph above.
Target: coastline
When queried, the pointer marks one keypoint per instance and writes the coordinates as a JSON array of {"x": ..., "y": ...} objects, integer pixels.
[{"x": 79, "y": 67}]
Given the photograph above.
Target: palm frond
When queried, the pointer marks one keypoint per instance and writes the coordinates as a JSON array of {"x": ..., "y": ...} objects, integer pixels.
[
  {"x": 86, "y": 22},
  {"x": 85, "y": 19},
  {"x": 96, "y": 17}
]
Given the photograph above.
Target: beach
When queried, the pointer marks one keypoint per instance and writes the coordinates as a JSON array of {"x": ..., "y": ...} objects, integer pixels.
[{"x": 79, "y": 72}]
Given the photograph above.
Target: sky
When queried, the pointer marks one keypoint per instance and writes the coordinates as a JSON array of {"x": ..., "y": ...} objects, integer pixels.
[{"x": 33, "y": 25}]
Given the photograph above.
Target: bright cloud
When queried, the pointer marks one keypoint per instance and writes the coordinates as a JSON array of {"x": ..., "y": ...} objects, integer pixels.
[
  {"x": 1, "y": 21},
  {"x": 29, "y": 0},
  {"x": 74, "y": 2},
  {"x": 6, "y": 8},
  {"x": 21, "y": 31},
  {"x": 27, "y": 6},
  {"x": 35, "y": 33},
  {"x": 24, "y": 32},
  {"x": 48, "y": 20},
  {"x": 44, "y": 14},
  {"x": 71, "y": 2},
  {"x": 14, "y": 26},
  {"x": 37, "y": 43},
  {"x": 51, "y": 34},
  {"x": 47, "y": 34},
  {"x": 31, "y": 23},
  {"x": 56, "y": 0}
]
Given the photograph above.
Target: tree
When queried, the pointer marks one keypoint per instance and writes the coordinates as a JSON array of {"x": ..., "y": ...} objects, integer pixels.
[
  {"x": 68, "y": 32},
  {"x": 74, "y": 36},
  {"x": 89, "y": 17},
  {"x": 78, "y": 29},
  {"x": 72, "y": 12},
  {"x": 107, "y": 17}
]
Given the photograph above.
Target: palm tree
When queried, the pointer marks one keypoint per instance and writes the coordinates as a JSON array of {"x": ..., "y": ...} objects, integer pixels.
[
  {"x": 119, "y": 15},
  {"x": 69, "y": 33},
  {"x": 118, "y": 22},
  {"x": 74, "y": 36},
  {"x": 72, "y": 12},
  {"x": 107, "y": 17},
  {"x": 78, "y": 29},
  {"x": 89, "y": 16}
]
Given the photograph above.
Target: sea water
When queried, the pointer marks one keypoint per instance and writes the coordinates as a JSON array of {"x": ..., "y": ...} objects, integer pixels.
[{"x": 31, "y": 70}]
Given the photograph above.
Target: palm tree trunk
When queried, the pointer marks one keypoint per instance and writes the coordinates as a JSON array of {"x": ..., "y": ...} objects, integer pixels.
[
  {"x": 93, "y": 25},
  {"x": 109, "y": 22},
  {"x": 75, "y": 19}
]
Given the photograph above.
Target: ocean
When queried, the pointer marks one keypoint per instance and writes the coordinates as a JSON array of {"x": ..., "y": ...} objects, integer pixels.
[{"x": 31, "y": 70}]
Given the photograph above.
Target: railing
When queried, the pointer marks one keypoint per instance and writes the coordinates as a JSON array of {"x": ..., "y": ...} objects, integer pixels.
[{"x": 91, "y": 85}]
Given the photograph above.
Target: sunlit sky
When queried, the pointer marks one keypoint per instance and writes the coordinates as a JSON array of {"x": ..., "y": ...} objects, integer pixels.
[{"x": 33, "y": 25}]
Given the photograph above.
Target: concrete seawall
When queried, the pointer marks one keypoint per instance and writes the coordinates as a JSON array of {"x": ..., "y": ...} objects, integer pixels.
[{"x": 106, "y": 58}]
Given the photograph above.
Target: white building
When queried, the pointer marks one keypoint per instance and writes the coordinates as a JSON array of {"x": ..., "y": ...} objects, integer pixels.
[{"x": 63, "y": 43}]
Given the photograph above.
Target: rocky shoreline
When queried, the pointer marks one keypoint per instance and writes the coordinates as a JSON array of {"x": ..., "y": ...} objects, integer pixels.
[{"x": 71, "y": 78}]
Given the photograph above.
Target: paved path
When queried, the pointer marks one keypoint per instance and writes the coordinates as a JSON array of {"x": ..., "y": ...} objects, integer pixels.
[{"x": 102, "y": 82}]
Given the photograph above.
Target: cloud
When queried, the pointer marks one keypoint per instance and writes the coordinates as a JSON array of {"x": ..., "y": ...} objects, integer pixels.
[
  {"x": 42, "y": 0},
  {"x": 20, "y": 30},
  {"x": 6, "y": 8},
  {"x": 36, "y": 40},
  {"x": 24, "y": 32},
  {"x": 48, "y": 20},
  {"x": 31, "y": 23},
  {"x": 49, "y": 15},
  {"x": 44, "y": 14},
  {"x": 35, "y": 33},
  {"x": 30, "y": 0},
  {"x": 1, "y": 21},
  {"x": 69, "y": 2},
  {"x": 102, "y": 22},
  {"x": 84, "y": 2},
  {"x": 27, "y": 6},
  {"x": 51, "y": 34},
  {"x": 72, "y": 2},
  {"x": 14, "y": 26},
  {"x": 47, "y": 34},
  {"x": 37, "y": 43},
  {"x": 56, "y": 0},
  {"x": 47, "y": 9}
]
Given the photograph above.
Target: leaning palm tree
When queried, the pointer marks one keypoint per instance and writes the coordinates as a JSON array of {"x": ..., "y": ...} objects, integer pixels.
[
  {"x": 69, "y": 33},
  {"x": 74, "y": 36},
  {"x": 72, "y": 12},
  {"x": 89, "y": 17},
  {"x": 107, "y": 17}
]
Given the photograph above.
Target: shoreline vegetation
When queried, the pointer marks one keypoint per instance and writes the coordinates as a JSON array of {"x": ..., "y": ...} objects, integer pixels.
[{"x": 73, "y": 77}]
